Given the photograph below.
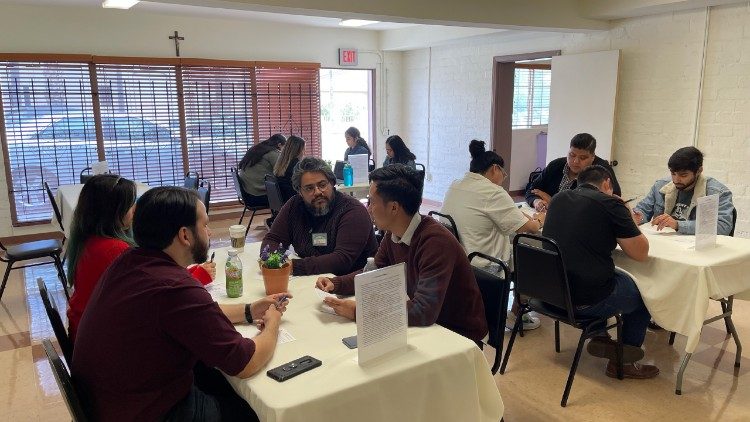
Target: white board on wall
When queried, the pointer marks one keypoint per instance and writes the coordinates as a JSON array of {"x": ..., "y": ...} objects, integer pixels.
[{"x": 583, "y": 90}]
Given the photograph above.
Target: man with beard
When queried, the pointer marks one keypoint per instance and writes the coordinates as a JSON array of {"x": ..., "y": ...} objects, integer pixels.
[
  {"x": 151, "y": 334},
  {"x": 331, "y": 232},
  {"x": 561, "y": 173},
  {"x": 672, "y": 203}
]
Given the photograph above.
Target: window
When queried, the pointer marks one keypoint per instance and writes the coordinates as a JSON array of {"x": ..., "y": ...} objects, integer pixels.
[
  {"x": 157, "y": 119},
  {"x": 345, "y": 100},
  {"x": 531, "y": 96}
]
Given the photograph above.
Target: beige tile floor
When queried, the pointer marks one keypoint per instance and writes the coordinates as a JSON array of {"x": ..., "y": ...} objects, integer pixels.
[{"x": 531, "y": 387}]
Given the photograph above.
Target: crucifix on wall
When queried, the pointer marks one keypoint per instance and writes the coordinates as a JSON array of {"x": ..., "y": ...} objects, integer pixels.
[{"x": 177, "y": 38}]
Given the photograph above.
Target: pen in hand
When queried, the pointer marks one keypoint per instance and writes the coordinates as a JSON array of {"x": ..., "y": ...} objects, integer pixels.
[{"x": 213, "y": 254}]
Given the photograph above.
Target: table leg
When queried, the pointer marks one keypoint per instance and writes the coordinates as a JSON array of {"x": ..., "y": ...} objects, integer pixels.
[
  {"x": 733, "y": 331},
  {"x": 681, "y": 372}
]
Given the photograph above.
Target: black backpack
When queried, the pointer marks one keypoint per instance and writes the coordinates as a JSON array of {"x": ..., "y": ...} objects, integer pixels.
[{"x": 533, "y": 176}]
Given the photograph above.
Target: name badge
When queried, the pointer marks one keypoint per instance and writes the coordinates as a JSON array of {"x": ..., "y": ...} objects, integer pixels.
[{"x": 320, "y": 239}]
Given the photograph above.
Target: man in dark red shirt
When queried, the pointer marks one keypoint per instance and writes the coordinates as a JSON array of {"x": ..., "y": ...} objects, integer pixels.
[
  {"x": 439, "y": 280},
  {"x": 149, "y": 322}
]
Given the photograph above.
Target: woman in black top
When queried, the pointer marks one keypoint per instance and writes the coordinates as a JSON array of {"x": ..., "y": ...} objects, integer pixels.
[{"x": 398, "y": 152}]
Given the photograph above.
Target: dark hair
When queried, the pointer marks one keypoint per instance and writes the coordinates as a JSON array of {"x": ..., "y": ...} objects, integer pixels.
[
  {"x": 309, "y": 165},
  {"x": 584, "y": 141},
  {"x": 686, "y": 158},
  {"x": 354, "y": 133},
  {"x": 161, "y": 213},
  {"x": 401, "y": 153},
  {"x": 482, "y": 160},
  {"x": 594, "y": 175},
  {"x": 104, "y": 201},
  {"x": 401, "y": 184},
  {"x": 257, "y": 151}
]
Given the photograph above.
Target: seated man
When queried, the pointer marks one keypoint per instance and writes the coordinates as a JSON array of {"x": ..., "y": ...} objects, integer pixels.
[
  {"x": 672, "y": 203},
  {"x": 149, "y": 323},
  {"x": 330, "y": 231},
  {"x": 560, "y": 174},
  {"x": 439, "y": 279},
  {"x": 588, "y": 223}
]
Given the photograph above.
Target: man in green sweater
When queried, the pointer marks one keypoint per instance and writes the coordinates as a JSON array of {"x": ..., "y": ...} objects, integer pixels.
[{"x": 439, "y": 280}]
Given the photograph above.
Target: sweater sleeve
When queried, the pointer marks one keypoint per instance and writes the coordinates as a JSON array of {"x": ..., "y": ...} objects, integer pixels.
[
  {"x": 352, "y": 235},
  {"x": 434, "y": 269}
]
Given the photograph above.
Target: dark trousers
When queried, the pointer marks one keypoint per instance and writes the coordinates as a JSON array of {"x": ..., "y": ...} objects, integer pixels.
[
  {"x": 625, "y": 298},
  {"x": 211, "y": 399}
]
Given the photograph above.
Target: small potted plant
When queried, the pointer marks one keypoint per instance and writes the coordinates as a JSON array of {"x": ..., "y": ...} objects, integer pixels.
[{"x": 276, "y": 267}]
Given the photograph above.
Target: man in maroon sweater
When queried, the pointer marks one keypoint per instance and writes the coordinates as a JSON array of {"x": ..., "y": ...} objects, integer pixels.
[
  {"x": 439, "y": 280},
  {"x": 330, "y": 231}
]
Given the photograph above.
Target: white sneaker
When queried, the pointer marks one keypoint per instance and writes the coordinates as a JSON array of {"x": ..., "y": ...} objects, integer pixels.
[{"x": 529, "y": 322}]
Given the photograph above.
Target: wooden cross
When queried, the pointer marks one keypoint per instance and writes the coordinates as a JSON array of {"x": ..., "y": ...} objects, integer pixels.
[{"x": 177, "y": 38}]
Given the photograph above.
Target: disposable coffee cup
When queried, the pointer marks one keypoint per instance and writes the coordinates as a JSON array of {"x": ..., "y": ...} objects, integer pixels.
[{"x": 237, "y": 236}]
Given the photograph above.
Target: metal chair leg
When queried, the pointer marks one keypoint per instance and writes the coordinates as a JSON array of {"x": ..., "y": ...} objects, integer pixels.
[
  {"x": 510, "y": 344},
  {"x": 573, "y": 369},
  {"x": 620, "y": 370},
  {"x": 243, "y": 215},
  {"x": 671, "y": 338},
  {"x": 250, "y": 223},
  {"x": 5, "y": 278},
  {"x": 61, "y": 275},
  {"x": 557, "y": 336}
]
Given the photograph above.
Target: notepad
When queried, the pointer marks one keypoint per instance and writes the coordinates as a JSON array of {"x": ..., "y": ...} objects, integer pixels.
[{"x": 323, "y": 307}]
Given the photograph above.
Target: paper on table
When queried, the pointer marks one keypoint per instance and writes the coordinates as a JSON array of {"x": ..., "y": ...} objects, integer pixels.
[
  {"x": 706, "y": 220},
  {"x": 360, "y": 165},
  {"x": 323, "y": 307},
  {"x": 216, "y": 289},
  {"x": 647, "y": 228},
  {"x": 250, "y": 331},
  {"x": 381, "y": 311}
]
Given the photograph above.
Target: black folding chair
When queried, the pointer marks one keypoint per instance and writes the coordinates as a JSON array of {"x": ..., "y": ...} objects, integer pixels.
[
  {"x": 191, "y": 180},
  {"x": 204, "y": 193},
  {"x": 495, "y": 289},
  {"x": 242, "y": 197},
  {"x": 55, "y": 208},
  {"x": 421, "y": 170},
  {"x": 27, "y": 251},
  {"x": 540, "y": 275},
  {"x": 273, "y": 191},
  {"x": 450, "y": 225},
  {"x": 56, "y": 321},
  {"x": 65, "y": 383},
  {"x": 83, "y": 177}
]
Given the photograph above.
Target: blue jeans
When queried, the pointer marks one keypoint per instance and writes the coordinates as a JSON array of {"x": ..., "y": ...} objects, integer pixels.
[{"x": 626, "y": 299}]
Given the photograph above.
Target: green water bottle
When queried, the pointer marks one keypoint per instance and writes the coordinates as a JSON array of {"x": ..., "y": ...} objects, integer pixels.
[{"x": 233, "y": 272}]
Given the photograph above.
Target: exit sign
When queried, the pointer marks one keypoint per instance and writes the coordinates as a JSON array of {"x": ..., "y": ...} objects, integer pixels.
[{"x": 348, "y": 56}]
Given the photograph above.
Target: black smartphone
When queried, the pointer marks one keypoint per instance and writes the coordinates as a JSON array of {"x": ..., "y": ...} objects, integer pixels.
[
  {"x": 293, "y": 368},
  {"x": 351, "y": 342}
]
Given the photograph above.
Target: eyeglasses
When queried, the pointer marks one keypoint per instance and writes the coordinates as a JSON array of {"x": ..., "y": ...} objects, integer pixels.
[
  {"x": 501, "y": 169},
  {"x": 322, "y": 185}
]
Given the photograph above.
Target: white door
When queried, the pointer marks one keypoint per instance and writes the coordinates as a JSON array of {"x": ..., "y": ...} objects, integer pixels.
[{"x": 582, "y": 99}]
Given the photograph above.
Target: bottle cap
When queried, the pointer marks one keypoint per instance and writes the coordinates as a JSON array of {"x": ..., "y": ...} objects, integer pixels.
[{"x": 232, "y": 252}]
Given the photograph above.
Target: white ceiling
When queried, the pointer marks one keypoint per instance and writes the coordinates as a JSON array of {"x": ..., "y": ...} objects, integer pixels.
[{"x": 186, "y": 10}]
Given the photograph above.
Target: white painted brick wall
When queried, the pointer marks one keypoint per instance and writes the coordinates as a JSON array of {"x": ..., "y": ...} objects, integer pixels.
[{"x": 657, "y": 97}]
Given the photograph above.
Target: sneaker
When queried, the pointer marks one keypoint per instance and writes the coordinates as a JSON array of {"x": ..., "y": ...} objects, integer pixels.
[
  {"x": 632, "y": 370},
  {"x": 529, "y": 322},
  {"x": 606, "y": 347}
]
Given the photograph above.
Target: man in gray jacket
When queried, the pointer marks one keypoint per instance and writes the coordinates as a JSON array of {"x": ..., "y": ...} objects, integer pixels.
[{"x": 672, "y": 203}]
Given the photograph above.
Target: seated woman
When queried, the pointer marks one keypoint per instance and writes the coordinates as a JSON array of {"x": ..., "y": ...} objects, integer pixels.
[
  {"x": 484, "y": 212},
  {"x": 255, "y": 165},
  {"x": 293, "y": 151},
  {"x": 398, "y": 153},
  {"x": 357, "y": 145},
  {"x": 99, "y": 233}
]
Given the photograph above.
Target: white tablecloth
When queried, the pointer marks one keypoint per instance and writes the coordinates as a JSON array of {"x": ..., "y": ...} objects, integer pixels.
[
  {"x": 67, "y": 200},
  {"x": 677, "y": 281},
  {"x": 442, "y": 376},
  {"x": 359, "y": 191}
]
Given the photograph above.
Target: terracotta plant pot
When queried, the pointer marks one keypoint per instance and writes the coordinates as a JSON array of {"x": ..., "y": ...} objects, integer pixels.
[{"x": 276, "y": 280}]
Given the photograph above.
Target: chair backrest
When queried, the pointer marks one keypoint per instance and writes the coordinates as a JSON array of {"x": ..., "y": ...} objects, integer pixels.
[
  {"x": 540, "y": 272},
  {"x": 450, "y": 224},
  {"x": 734, "y": 221},
  {"x": 338, "y": 170},
  {"x": 85, "y": 177},
  {"x": 191, "y": 180},
  {"x": 55, "y": 320},
  {"x": 495, "y": 291},
  {"x": 275, "y": 199},
  {"x": 64, "y": 382},
  {"x": 421, "y": 170},
  {"x": 204, "y": 193},
  {"x": 55, "y": 208},
  {"x": 237, "y": 185}
]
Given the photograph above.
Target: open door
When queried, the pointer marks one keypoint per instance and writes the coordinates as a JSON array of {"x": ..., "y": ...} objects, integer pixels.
[{"x": 582, "y": 99}]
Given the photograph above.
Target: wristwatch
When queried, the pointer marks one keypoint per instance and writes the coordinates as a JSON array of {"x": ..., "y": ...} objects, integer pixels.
[{"x": 248, "y": 313}]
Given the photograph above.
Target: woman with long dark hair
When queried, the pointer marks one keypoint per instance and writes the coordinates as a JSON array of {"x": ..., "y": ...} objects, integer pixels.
[
  {"x": 357, "y": 145},
  {"x": 293, "y": 151},
  {"x": 398, "y": 153},
  {"x": 259, "y": 161}
]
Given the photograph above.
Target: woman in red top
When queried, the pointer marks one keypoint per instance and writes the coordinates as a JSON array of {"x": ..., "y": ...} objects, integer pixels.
[{"x": 100, "y": 232}]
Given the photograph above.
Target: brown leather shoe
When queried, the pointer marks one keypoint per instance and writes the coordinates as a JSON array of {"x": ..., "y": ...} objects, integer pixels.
[
  {"x": 633, "y": 370},
  {"x": 605, "y": 347}
]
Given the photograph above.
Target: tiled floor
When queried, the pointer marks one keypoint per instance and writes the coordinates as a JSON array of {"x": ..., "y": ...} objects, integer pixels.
[{"x": 531, "y": 387}]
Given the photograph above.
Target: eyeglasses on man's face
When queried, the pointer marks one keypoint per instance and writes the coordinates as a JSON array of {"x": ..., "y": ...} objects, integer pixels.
[{"x": 322, "y": 186}]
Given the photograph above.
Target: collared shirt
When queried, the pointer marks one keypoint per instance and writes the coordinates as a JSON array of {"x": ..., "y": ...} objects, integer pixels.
[{"x": 406, "y": 238}]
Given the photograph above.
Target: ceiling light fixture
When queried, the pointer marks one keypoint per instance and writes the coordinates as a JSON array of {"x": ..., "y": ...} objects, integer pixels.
[
  {"x": 356, "y": 22},
  {"x": 119, "y": 4}
]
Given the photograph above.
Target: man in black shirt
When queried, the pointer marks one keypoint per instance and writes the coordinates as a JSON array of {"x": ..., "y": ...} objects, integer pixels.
[
  {"x": 588, "y": 223},
  {"x": 561, "y": 173}
]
